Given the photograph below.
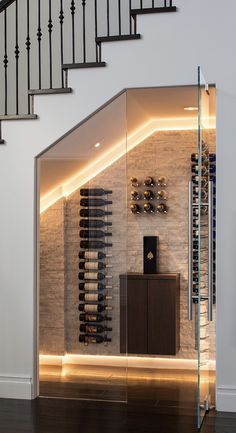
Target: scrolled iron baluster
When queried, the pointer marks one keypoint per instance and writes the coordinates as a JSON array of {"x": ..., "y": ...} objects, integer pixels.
[
  {"x": 61, "y": 20},
  {"x": 39, "y": 38},
  {"x": 84, "y": 30},
  {"x": 17, "y": 54},
  {"x": 5, "y": 61},
  {"x": 72, "y": 8},
  {"x": 50, "y": 27},
  {"x": 28, "y": 46}
]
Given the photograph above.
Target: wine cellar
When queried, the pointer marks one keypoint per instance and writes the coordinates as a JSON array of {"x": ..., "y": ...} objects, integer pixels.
[{"x": 128, "y": 248}]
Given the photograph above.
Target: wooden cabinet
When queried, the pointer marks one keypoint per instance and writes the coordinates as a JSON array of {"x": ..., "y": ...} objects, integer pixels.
[{"x": 149, "y": 314}]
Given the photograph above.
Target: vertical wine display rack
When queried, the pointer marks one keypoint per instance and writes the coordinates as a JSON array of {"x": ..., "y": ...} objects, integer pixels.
[
  {"x": 208, "y": 179},
  {"x": 152, "y": 198},
  {"x": 94, "y": 266}
]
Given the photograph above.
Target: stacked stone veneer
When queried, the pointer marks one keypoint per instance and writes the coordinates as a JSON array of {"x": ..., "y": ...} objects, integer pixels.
[{"x": 164, "y": 153}]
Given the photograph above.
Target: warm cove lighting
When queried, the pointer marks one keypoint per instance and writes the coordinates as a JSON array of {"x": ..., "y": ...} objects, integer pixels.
[
  {"x": 191, "y": 108},
  {"x": 117, "y": 151}
]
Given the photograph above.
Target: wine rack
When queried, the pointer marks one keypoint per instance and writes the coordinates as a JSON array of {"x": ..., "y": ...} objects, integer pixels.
[
  {"x": 149, "y": 195},
  {"x": 94, "y": 271},
  {"x": 208, "y": 223}
]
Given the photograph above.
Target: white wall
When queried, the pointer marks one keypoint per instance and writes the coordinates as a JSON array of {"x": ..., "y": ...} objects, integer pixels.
[{"x": 201, "y": 33}]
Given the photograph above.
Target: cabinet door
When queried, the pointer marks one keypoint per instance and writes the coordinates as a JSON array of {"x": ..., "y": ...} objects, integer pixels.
[
  {"x": 162, "y": 317},
  {"x": 137, "y": 316}
]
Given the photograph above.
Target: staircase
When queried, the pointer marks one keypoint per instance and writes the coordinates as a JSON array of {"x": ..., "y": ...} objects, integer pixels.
[{"x": 40, "y": 41}]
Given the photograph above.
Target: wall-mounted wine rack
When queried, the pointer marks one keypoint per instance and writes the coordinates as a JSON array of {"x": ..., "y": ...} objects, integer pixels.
[
  {"x": 149, "y": 196},
  {"x": 95, "y": 230}
]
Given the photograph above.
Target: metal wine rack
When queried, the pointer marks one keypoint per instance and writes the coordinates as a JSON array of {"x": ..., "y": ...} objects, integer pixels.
[
  {"x": 94, "y": 255},
  {"x": 149, "y": 198}
]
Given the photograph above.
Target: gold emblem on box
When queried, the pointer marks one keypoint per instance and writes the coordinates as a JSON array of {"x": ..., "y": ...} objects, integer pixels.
[{"x": 150, "y": 256}]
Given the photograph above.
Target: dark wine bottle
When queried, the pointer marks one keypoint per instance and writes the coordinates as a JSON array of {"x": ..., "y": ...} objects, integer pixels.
[
  {"x": 93, "y": 213},
  {"x": 148, "y": 195},
  {"x": 93, "y": 276},
  {"x": 204, "y": 158},
  {"x": 94, "y": 245},
  {"x": 149, "y": 181},
  {"x": 94, "y": 329},
  {"x": 204, "y": 181},
  {"x": 162, "y": 181},
  {"x": 93, "y": 308},
  {"x": 94, "y": 192},
  {"x": 93, "y": 339},
  {"x": 162, "y": 208},
  {"x": 212, "y": 157},
  {"x": 98, "y": 234},
  {"x": 93, "y": 286},
  {"x": 148, "y": 208},
  {"x": 93, "y": 255},
  {"x": 196, "y": 168},
  {"x": 93, "y": 266},
  {"x": 135, "y": 195},
  {"x": 135, "y": 208},
  {"x": 84, "y": 317},
  {"x": 161, "y": 195},
  {"x": 87, "y": 202},
  {"x": 94, "y": 224},
  {"x": 93, "y": 297},
  {"x": 134, "y": 181}
]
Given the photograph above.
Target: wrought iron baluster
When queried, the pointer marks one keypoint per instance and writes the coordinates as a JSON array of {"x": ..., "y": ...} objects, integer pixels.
[
  {"x": 119, "y": 18},
  {"x": 130, "y": 17},
  {"x": 141, "y": 4},
  {"x": 17, "y": 53},
  {"x": 39, "y": 37},
  {"x": 171, "y": 3},
  {"x": 72, "y": 8},
  {"x": 108, "y": 17},
  {"x": 5, "y": 61},
  {"x": 61, "y": 19},
  {"x": 84, "y": 30},
  {"x": 165, "y": 1},
  {"x": 153, "y": 3},
  {"x": 28, "y": 44},
  {"x": 96, "y": 27},
  {"x": 50, "y": 27}
]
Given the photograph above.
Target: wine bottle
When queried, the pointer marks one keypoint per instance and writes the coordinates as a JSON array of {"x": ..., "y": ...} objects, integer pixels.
[
  {"x": 94, "y": 245},
  {"x": 93, "y": 255},
  {"x": 93, "y": 297},
  {"x": 204, "y": 181},
  {"x": 93, "y": 308},
  {"x": 149, "y": 181},
  {"x": 204, "y": 158},
  {"x": 93, "y": 329},
  {"x": 161, "y": 195},
  {"x": 148, "y": 195},
  {"x": 93, "y": 265},
  {"x": 94, "y": 224},
  {"x": 93, "y": 276},
  {"x": 134, "y": 181},
  {"x": 87, "y": 202},
  {"x": 135, "y": 208},
  {"x": 93, "y": 339},
  {"x": 93, "y": 286},
  {"x": 162, "y": 181},
  {"x": 212, "y": 157},
  {"x": 148, "y": 208},
  {"x": 162, "y": 208},
  {"x": 94, "y": 234},
  {"x": 196, "y": 168},
  {"x": 93, "y": 213},
  {"x": 135, "y": 195},
  {"x": 84, "y": 317},
  {"x": 88, "y": 192}
]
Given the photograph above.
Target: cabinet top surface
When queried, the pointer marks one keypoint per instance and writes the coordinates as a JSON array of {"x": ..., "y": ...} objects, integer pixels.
[{"x": 159, "y": 276}]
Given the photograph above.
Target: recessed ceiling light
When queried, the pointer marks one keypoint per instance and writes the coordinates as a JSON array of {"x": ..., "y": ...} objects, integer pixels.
[
  {"x": 190, "y": 108},
  {"x": 97, "y": 145}
]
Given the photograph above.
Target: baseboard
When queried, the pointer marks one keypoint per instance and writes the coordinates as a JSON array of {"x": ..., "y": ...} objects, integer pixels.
[
  {"x": 18, "y": 387},
  {"x": 226, "y": 398}
]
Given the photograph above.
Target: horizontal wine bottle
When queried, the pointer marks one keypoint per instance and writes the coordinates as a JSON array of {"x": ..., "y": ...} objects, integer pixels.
[
  {"x": 204, "y": 181},
  {"x": 93, "y": 266},
  {"x": 148, "y": 208},
  {"x": 93, "y": 297},
  {"x": 91, "y": 318},
  {"x": 135, "y": 208},
  {"x": 149, "y": 181},
  {"x": 93, "y": 339},
  {"x": 135, "y": 195},
  {"x": 204, "y": 158},
  {"x": 204, "y": 169},
  {"x": 98, "y": 234},
  {"x": 161, "y": 195},
  {"x": 93, "y": 286},
  {"x": 94, "y": 213},
  {"x": 94, "y": 245},
  {"x": 93, "y": 308},
  {"x": 134, "y": 181},
  {"x": 94, "y": 224},
  {"x": 93, "y": 255},
  {"x": 162, "y": 181},
  {"x": 210, "y": 177},
  {"x": 86, "y": 328},
  {"x": 93, "y": 276},
  {"x": 148, "y": 195},
  {"x": 87, "y": 202},
  {"x": 162, "y": 208},
  {"x": 88, "y": 192}
]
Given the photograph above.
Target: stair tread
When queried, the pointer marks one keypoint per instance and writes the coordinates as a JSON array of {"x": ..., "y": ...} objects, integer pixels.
[
  {"x": 155, "y": 10},
  {"x": 18, "y": 117},
  {"x": 115, "y": 38},
  {"x": 83, "y": 65},
  {"x": 59, "y": 90}
]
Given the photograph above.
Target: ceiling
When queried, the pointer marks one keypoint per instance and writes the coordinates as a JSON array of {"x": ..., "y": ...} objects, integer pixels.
[{"x": 124, "y": 115}]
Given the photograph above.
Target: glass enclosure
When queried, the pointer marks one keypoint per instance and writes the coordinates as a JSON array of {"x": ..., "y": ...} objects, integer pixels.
[{"x": 126, "y": 240}]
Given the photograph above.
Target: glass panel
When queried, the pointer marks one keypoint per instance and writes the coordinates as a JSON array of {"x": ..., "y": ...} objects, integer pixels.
[{"x": 83, "y": 235}]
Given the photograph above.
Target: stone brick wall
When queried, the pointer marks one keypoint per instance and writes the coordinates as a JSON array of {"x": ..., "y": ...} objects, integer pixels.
[{"x": 164, "y": 153}]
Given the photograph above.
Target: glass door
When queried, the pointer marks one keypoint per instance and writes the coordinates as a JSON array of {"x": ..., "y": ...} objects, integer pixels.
[{"x": 203, "y": 226}]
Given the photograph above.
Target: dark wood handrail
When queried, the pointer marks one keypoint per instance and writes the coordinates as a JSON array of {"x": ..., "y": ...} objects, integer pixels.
[{"x": 4, "y": 4}]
